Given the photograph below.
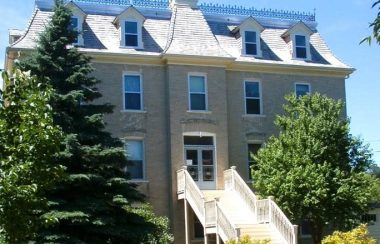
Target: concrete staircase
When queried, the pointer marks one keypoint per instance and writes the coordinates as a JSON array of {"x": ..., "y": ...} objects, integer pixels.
[
  {"x": 235, "y": 211},
  {"x": 242, "y": 217}
]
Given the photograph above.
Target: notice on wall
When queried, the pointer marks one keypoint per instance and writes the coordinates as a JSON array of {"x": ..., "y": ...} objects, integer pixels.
[{"x": 189, "y": 162}]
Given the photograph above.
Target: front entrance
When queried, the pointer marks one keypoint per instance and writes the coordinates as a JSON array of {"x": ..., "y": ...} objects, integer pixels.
[{"x": 200, "y": 160}]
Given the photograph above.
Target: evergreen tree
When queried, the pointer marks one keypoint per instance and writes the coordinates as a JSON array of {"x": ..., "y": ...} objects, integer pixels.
[
  {"x": 94, "y": 203},
  {"x": 315, "y": 169},
  {"x": 28, "y": 141}
]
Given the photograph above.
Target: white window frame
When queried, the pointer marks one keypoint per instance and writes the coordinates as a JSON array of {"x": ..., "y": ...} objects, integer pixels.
[
  {"x": 189, "y": 92},
  {"x": 307, "y": 46},
  {"x": 260, "y": 97},
  {"x": 301, "y": 83},
  {"x": 141, "y": 91},
  {"x": 79, "y": 29},
  {"x": 143, "y": 157},
  {"x": 123, "y": 33},
  {"x": 258, "y": 43}
]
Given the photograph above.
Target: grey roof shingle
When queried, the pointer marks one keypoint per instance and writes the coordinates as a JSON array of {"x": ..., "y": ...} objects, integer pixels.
[
  {"x": 187, "y": 32},
  {"x": 191, "y": 34}
]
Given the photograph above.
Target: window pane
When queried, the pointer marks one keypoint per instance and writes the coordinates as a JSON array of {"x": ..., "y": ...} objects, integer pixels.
[
  {"x": 253, "y": 106},
  {"x": 198, "y": 102},
  {"x": 135, "y": 159},
  {"x": 134, "y": 150},
  {"x": 132, "y": 83},
  {"x": 250, "y": 36},
  {"x": 252, "y": 150},
  {"x": 252, "y": 89},
  {"x": 197, "y": 84},
  {"x": 300, "y": 41},
  {"x": 302, "y": 90},
  {"x": 250, "y": 49},
  {"x": 131, "y": 40},
  {"x": 74, "y": 23},
  {"x": 300, "y": 52},
  {"x": 135, "y": 169},
  {"x": 132, "y": 101},
  {"x": 130, "y": 27}
]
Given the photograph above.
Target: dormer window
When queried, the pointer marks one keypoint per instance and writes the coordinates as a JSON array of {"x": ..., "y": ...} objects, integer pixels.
[
  {"x": 131, "y": 34},
  {"x": 76, "y": 22},
  {"x": 250, "y": 32},
  {"x": 250, "y": 43},
  {"x": 298, "y": 38},
  {"x": 300, "y": 47},
  {"x": 130, "y": 22},
  {"x": 74, "y": 26}
]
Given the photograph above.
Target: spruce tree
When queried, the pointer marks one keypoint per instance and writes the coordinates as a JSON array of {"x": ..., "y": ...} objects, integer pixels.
[
  {"x": 94, "y": 203},
  {"x": 28, "y": 142}
]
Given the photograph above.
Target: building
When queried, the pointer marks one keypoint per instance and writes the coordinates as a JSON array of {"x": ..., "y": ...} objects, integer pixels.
[{"x": 198, "y": 86}]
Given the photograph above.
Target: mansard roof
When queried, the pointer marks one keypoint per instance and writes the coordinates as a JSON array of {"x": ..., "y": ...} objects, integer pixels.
[{"x": 206, "y": 31}]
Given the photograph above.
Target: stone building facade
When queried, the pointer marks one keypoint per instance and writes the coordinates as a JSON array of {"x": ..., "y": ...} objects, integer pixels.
[{"x": 195, "y": 85}]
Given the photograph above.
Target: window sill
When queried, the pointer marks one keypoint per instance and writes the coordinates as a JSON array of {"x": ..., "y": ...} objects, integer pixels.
[
  {"x": 132, "y": 47},
  {"x": 251, "y": 56},
  {"x": 134, "y": 111},
  {"x": 199, "y": 112},
  {"x": 138, "y": 181},
  {"x": 254, "y": 116}
]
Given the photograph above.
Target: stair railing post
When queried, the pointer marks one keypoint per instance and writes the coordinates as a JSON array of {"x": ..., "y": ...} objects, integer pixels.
[
  {"x": 237, "y": 234},
  {"x": 184, "y": 177},
  {"x": 270, "y": 200},
  {"x": 233, "y": 169},
  {"x": 295, "y": 234},
  {"x": 216, "y": 220}
]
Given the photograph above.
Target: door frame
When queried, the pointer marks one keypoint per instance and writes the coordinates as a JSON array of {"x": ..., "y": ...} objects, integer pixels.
[{"x": 214, "y": 146}]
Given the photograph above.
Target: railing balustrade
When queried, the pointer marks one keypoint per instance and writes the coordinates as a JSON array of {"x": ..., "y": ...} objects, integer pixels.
[
  {"x": 266, "y": 211},
  {"x": 227, "y": 230}
]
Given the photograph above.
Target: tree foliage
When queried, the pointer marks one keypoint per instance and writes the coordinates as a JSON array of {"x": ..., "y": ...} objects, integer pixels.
[
  {"x": 28, "y": 142},
  {"x": 375, "y": 25},
  {"x": 358, "y": 235},
  {"x": 315, "y": 169},
  {"x": 95, "y": 203},
  {"x": 248, "y": 240}
]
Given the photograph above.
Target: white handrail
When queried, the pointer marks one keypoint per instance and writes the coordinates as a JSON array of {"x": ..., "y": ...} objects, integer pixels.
[
  {"x": 266, "y": 211},
  {"x": 228, "y": 230},
  {"x": 193, "y": 195}
]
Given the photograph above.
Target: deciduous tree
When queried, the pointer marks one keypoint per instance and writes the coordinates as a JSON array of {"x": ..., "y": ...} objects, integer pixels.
[
  {"x": 28, "y": 142},
  {"x": 315, "y": 169}
]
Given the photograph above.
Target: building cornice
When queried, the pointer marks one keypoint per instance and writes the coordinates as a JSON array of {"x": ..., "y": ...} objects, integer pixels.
[{"x": 229, "y": 63}]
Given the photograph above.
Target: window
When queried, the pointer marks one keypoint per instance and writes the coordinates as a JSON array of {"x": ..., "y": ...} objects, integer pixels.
[
  {"x": 252, "y": 150},
  {"x": 302, "y": 89},
  {"x": 131, "y": 35},
  {"x": 74, "y": 26},
  {"x": 300, "y": 47},
  {"x": 132, "y": 92},
  {"x": 305, "y": 228},
  {"x": 197, "y": 93},
  {"x": 250, "y": 42},
  {"x": 252, "y": 97},
  {"x": 369, "y": 218},
  {"x": 135, "y": 156}
]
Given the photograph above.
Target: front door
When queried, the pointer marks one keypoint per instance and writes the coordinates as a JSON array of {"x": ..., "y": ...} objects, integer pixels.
[{"x": 201, "y": 165}]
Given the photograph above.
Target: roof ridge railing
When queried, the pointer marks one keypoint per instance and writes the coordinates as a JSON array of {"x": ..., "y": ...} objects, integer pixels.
[
  {"x": 159, "y": 4},
  {"x": 266, "y": 13},
  {"x": 211, "y": 8}
]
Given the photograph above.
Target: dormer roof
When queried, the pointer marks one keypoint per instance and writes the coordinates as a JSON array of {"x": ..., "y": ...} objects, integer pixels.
[
  {"x": 298, "y": 27},
  {"x": 129, "y": 13},
  {"x": 75, "y": 9},
  {"x": 249, "y": 23}
]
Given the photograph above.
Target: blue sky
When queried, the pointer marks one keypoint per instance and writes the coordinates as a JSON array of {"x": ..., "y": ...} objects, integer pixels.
[{"x": 342, "y": 24}]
